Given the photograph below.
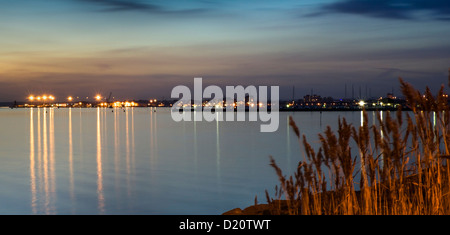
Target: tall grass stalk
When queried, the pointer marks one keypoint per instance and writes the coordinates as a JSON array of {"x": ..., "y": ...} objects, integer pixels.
[{"x": 400, "y": 167}]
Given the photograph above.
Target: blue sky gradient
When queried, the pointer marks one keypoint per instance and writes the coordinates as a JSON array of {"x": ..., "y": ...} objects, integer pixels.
[{"x": 142, "y": 49}]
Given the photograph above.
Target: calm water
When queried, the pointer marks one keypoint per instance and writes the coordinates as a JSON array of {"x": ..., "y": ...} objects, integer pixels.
[{"x": 139, "y": 161}]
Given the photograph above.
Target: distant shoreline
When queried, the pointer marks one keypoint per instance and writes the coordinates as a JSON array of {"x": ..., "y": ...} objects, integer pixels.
[{"x": 247, "y": 110}]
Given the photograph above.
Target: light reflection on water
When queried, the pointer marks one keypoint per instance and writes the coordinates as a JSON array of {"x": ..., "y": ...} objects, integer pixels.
[
  {"x": 42, "y": 169},
  {"x": 101, "y": 198},
  {"x": 139, "y": 161}
]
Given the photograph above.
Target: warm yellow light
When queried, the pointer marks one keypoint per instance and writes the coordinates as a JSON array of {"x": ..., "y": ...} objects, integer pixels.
[
  {"x": 51, "y": 97},
  {"x": 70, "y": 98},
  {"x": 44, "y": 97},
  {"x": 31, "y": 97},
  {"x": 98, "y": 97},
  {"x": 38, "y": 98},
  {"x": 361, "y": 103}
]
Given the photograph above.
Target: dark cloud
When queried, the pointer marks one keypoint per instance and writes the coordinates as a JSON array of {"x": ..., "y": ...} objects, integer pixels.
[
  {"x": 124, "y": 5},
  {"x": 390, "y": 9},
  {"x": 141, "y": 6}
]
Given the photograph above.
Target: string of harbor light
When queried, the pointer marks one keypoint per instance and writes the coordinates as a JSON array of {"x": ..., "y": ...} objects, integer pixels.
[
  {"x": 39, "y": 98},
  {"x": 51, "y": 97},
  {"x": 71, "y": 101}
]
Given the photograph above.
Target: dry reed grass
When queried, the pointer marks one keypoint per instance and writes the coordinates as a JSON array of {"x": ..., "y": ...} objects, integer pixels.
[{"x": 401, "y": 165}]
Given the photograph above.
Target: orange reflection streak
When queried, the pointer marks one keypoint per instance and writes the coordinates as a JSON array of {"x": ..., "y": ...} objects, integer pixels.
[
  {"x": 81, "y": 131},
  {"x": 128, "y": 150},
  {"x": 132, "y": 140},
  {"x": 101, "y": 198},
  {"x": 104, "y": 133},
  {"x": 72, "y": 184},
  {"x": 32, "y": 165},
  {"x": 156, "y": 134},
  {"x": 116, "y": 146},
  {"x": 52, "y": 162},
  {"x": 218, "y": 154},
  {"x": 195, "y": 148},
  {"x": 45, "y": 162},
  {"x": 39, "y": 163}
]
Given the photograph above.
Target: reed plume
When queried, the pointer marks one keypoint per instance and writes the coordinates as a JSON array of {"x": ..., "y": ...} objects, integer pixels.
[{"x": 400, "y": 164}]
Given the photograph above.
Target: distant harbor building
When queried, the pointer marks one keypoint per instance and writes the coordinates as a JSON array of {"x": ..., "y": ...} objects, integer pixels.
[{"x": 391, "y": 96}]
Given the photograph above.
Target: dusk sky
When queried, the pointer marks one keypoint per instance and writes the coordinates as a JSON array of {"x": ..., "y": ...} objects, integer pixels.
[{"x": 142, "y": 49}]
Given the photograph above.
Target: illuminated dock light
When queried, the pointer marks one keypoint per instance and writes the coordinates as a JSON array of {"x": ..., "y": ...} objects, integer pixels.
[
  {"x": 98, "y": 97},
  {"x": 31, "y": 98},
  {"x": 69, "y": 98}
]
